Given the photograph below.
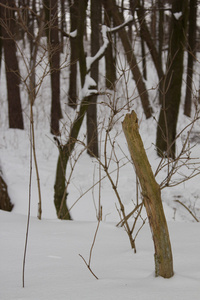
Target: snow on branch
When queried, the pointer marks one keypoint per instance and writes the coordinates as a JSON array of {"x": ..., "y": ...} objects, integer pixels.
[
  {"x": 104, "y": 30},
  {"x": 90, "y": 60},
  {"x": 88, "y": 88},
  {"x": 178, "y": 15},
  {"x": 129, "y": 20},
  {"x": 73, "y": 34}
]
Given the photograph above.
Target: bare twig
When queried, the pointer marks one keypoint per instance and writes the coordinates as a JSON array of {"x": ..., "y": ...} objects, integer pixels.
[
  {"x": 178, "y": 201},
  {"x": 88, "y": 266}
]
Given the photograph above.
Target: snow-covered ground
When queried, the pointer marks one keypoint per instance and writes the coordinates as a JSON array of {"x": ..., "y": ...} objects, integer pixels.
[{"x": 54, "y": 268}]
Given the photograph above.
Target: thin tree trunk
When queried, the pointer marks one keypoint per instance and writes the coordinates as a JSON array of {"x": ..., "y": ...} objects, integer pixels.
[
  {"x": 191, "y": 54},
  {"x": 56, "y": 113},
  {"x": 31, "y": 36},
  {"x": 51, "y": 11},
  {"x": 62, "y": 22},
  {"x": 146, "y": 35},
  {"x": 160, "y": 45},
  {"x": 109, "y": 57},
  {"x": 144, "y": 69},
  {"x": 160, "y": 31},
  {"x": 166, "y": 129},
  {"x": 92, "y": 130},
  {"x": 7, "y": 22},
  {"x": 151, "y": 196},
  {"x": 60, "y": 193},
  {"x": 72, "y": 94},
  {"x": 141, "y": 87}
]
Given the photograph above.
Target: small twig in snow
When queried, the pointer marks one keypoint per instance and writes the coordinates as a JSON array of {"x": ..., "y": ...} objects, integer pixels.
[{"x": 88, "y": 266}]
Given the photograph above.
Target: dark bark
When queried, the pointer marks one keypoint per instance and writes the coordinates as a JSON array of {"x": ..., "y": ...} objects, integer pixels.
[
  {"x": 160, "y": 31},
  {"x": 153, "y": 21},
  {"x": 5, "y": 202},
  {"x": 60, "y": 193},
  {"x": 51, "y": 12},
  {"x": 72, "y": 94},
  {"x": 142, "y": 91},
  {"x": 146, "y": 36},
  {"x": 191, "y": 55},
  {"x": 7, "y": 23},
  {"x": 92, "y": 130},
  {"x": 109, "y": 55},
  {"x": 160, "y": 45},
  {"x": 166, "y": 129},
  {"x": 31, "y": 35},
  {"x": 1, "y": 42},
  {"x": 144, "y": 69},
  {"x": 63, "y": 23}
]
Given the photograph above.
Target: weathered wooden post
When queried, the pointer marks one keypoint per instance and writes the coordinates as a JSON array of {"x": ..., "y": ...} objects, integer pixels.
[{"x": 151, "y": 197}]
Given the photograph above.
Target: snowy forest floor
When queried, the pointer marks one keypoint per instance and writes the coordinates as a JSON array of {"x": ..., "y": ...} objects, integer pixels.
[{"x": 54, "y": 269}]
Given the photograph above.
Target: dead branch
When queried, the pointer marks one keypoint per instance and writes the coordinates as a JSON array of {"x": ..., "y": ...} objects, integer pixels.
[{"x": 178, "y": 201}]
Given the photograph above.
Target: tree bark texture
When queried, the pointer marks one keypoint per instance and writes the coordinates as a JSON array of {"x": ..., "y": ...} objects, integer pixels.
[
  {"x": 109, "y": 55},
  {"x": 60, "y": 193},
  {"x": 72, "y": 94},
  {"x": 92, "y": 130},
  {"x": 7, "y": 23},
  {"x": 54, "y": 47},
  {"x": 141, "y": 87},
  {"x": 191, "y": 54},
  {"x": 146, "y": 36},
  {"x": 151, "y": 197},
  {"x": 171, "y": 93}
]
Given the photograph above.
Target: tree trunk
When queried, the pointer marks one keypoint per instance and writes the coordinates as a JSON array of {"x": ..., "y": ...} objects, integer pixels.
[
  {"x": 63, "y": 23},
  {"x": 51, "y": 11},
  {"x": 171, "y": 93},
  {"x": 151, "y": 197},
  {"x": 142, "y": 91},
  {"x": 144, "y": 68},
  {"x": 109, "y": 57},
  {"x": 60, "y": 193},
  {"x": 5, "y": 203},
  {"x": 92, "y": 130},
  {"x": 191, "y": 54},
  {"x": 146, "y": 36},
  {"x": 72, "y": 94},
  {"x": 8, "y": 24}
]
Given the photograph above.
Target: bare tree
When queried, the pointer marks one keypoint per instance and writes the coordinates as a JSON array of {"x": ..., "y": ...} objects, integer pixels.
[
  {"x": 8, "y": 25},
  {"x": 171, "y": 93},
  {"x": 88, "y": 89},
  {"x": 72, "y": 94},
  {"x": 92, "y": 130},
  {"x": 51, "y": 12},
  {"x": 129, "y": 53},
  {"x": 191, "y": 55},
  {"x": 110, "y": 59}
]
